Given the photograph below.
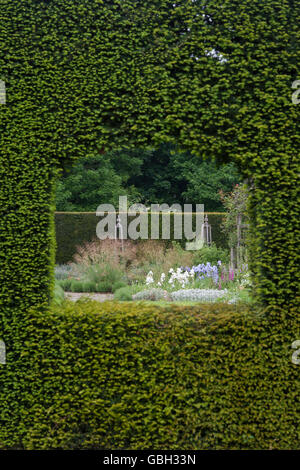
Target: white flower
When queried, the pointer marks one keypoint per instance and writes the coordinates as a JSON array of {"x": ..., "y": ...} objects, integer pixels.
[{"x": 149, "y": 278}]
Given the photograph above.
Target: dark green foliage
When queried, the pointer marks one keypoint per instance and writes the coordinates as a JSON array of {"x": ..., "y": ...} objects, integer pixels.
[
  {"x": 77, "y": 286},
  {"x": 169, "y": 176},
  {"x": 235, "y": 204},
  {"x": 136, "y": 376},
  {"x": 74, "y": 285},
  {"x": 123, "y": 293},
  {"x": 104, "y": 286},
  {"x": 87, "y": 77},
  {"x": 65, "y": 284},
  {"x": 58, "y": 294},
  {"x": 211, "y": 254},
  {"x": 118, "y": 285},
  {"x": 92, "y": 181},
  {"x": 74, "y": 229},
  {"x": 90, "y": 76},
  {"x": 162, "y": 175},
  {"x": 86, "y": 286},
  {"x": 103, "y": 275}
]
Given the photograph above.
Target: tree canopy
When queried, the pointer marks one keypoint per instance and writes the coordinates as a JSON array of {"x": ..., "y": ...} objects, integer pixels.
[{"x": 148, "y": 176}]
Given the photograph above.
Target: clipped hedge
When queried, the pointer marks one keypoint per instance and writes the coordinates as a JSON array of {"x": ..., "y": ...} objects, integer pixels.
[
  {"x": 75, "y": 228},
  {"x": 85, "y": 76},
  {"x": 133, "y": 376}
]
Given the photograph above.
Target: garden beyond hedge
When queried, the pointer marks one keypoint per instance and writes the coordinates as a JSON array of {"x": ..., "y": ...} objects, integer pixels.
[{"x": 73, "y": 229}]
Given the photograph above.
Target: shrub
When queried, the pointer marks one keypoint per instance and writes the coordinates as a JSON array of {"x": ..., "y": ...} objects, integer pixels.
[
  {"x": 123, "y": 293},
  {"x": 200, "y": 295},
  {"x": 137, "y": 376},
  {"x": 65, "y": 284},
  {"x": 211, "y": 254},
  {"x": 151, "y": 294},
  {"x": 77, "y": 286},
  {"x": 235, "y": 203},
  {"x": 150, "y": 252},
  {"x": 104, "y": 273},
  {"x": 59, "y": 294},
  {"x": 103, "y": 286},
  {"x": 118, "y": 285},
  {"x": 101, "y": 262},
  {"x": 62, "y": 271},
  {"x": 105, "y": 252},
  {"x": 88, "y": 286}
]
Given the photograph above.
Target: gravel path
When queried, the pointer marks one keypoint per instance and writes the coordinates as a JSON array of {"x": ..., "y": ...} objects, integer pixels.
[{"x": 76, "y": 295}]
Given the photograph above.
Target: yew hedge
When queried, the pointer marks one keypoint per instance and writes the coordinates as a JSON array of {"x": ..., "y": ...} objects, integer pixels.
[
  {"x": 213, "y": 77},
  {"x": 73, "y": 229},
  {"x": 136, "y": 376}
]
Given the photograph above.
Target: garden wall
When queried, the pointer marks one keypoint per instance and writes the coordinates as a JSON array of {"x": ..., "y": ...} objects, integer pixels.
[
  {"x": 76, "y": 228},
  {"x": 138, "y": 376}
]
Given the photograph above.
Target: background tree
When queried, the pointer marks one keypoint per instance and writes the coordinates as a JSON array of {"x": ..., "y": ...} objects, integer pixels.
[
  {"x": 236, "y": 222},
  {"x": 94, "y": 180},
  {"x": 149, "y": 176}
]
